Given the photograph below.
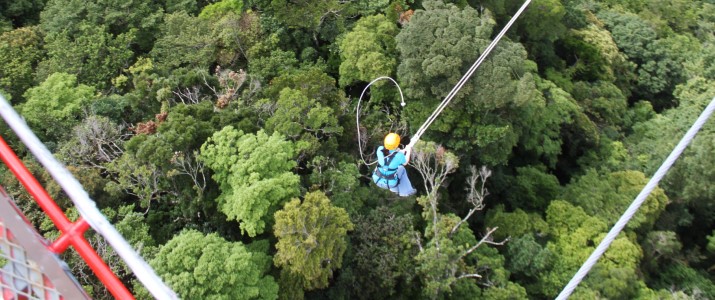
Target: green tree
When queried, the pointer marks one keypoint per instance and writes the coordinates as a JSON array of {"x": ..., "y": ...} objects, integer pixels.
[
  {"x": 159, "y": 163},
  {"x": 341, "y": 181},
  {"x": 696, "y": 168},
  {"x": 596, "y": 55},
  {"x": 543, "y": 21},
  {"x": 267, "y": 60},
  {"x": 302, "y": 120},
  {"x": 607, "y": 197},
  {"x": 527, "y": 258},
  {"x": 660, "y": 247},
  {"x": 184, "y": 41},
  {"x": 314, "y": 83},
  {"x": 678, "y": 15},
  {"x": 199, "y": 266},
  {"x": 653, "y": 140},
  {"x": 508, "y": 291},
  {"x": 236, "y": 33},
  {"x": 172, "y": 6},
  {"x": 515, "y": 224},
  {"x": 22, "y": 12},
  {"x": 533, "y": 188},
  {"x": 681, "y": 277},
  {"x": 575, "y": 235},
  {"x": 134, "y": 176},
  {"x": 383, "y": 250},
  {"x": 659, "y": 68},
  {"x": 20, "y": 51},
  {"x": 93, "y": 54},
  {"x": 306, "y": 14},
  {"x": 614, "y": 283},
  {"x": 368, "y": 51},
  {"x": 311, "y": 238},
  {"x": 113, "y": 16},
  {"x": 143, "y": 87},
  {"x": 704, "y": 64},
  {"x": 604, "y": 103},
  {"x": 492, "y": 103},
  {"x": 55, "y": 106},
  {"x": 5, "y": 25},
  {"x": 221, "y": 8},
  {"x": 541, "y": 25},
  {"x": 305, "y": 106},
  {"x": 132, "y": 225},
  {"x": 254, "y": 174},
  {"x": 549, "y": 122}
]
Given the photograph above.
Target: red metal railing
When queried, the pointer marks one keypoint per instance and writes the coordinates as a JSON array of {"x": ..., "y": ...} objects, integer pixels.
[{"x": 71, "y": 233}]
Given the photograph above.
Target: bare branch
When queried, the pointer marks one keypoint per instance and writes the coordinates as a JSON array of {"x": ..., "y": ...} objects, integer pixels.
[
  {"x": 187, "y": 164},
  {"x": 487, "y": 239},
  {"x": 476, "y": 195},
  {"x": 229, "y": 83},
  {"x": 188, "y": 96},
  {"x": 418, "y": 241},
  {"x": 96, "y": 141},
  {"x": 469, "y": 276},
  {"x": 206, "y": 83},
  {"x": 434, "y": 163}
]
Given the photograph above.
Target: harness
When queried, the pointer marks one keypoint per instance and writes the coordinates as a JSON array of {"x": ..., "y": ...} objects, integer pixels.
[{"x": 389, "y": 173}]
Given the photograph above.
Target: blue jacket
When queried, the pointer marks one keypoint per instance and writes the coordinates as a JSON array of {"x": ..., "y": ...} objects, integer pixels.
[{"x": 387, "y": 166}]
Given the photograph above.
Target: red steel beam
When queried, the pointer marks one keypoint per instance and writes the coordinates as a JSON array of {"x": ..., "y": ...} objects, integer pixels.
[
  {"x": 50, "y": 207},
  {"x": 34, "y": 187},
  {"x": 65, "y": 240}
]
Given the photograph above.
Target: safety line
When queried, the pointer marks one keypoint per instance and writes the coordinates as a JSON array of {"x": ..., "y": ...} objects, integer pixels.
[
  {"x": 466, "y": 76},
  {"x": 357, "y": 111},
  {"x": 86, "y": 206},
  {"x": 633, "y": 208}
]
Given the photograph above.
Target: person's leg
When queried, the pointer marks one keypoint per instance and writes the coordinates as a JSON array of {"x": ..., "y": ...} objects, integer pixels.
[
  {"x": 404, "y": 188},
  {"x": 383, "y": 185}
]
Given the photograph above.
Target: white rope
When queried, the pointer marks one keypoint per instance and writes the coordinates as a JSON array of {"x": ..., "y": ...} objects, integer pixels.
[
  {"x": 633, "y": 208},
  {"x": 466, "y": 76},
  {"x": 86, "y": 206},
  {"x": 357, "y": 111}
]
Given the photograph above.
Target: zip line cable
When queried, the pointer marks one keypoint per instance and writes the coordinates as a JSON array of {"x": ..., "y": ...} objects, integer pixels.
[
  {"x": 85, "y": 206},
  {"x": 633, "y": 208},
  {"x": 466, "y": 76}
]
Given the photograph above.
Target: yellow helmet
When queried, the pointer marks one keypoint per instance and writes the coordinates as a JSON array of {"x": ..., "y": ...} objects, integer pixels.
[{"x": 392, "y": 140}]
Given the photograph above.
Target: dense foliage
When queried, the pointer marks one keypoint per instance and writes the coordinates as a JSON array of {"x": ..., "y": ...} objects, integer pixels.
[{"x": 220, "y": 138}]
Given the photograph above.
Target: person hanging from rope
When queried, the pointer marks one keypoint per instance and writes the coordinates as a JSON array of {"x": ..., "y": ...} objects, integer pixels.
[{"x": 390, "y": 171}]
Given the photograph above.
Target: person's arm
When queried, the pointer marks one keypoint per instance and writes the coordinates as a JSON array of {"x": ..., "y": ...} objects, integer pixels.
[
  {"x": 408, "y": 151},
  {"x": 380, "y": 156}
]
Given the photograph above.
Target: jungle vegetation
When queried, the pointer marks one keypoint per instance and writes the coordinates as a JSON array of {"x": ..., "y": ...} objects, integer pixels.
[{"x": 220, "y": 139}]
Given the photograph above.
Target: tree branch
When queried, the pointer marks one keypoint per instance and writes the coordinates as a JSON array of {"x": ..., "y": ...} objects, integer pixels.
[
  {"x": 419, "y": 241},
  {"x": 469, "y": 214},
  {"x": 485, "y": 240},
  {"x": 476, "y": 195},
  {"x": 469, "y": 276}
]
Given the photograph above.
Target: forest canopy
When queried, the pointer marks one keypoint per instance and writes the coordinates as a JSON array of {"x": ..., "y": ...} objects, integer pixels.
[{"x": 220, "y": 138}]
